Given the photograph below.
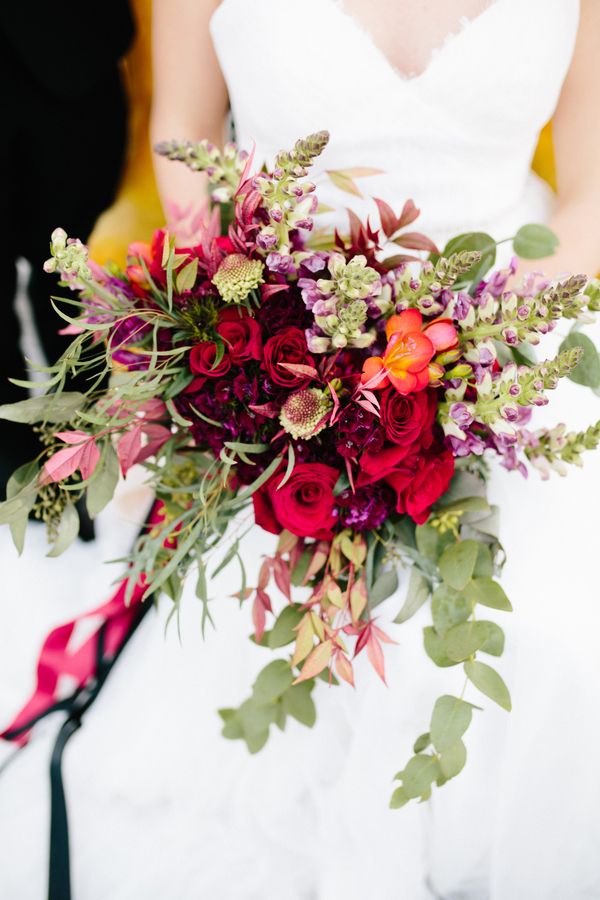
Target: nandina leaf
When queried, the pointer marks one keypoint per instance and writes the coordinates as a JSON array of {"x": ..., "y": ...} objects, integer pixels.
[
  {"x": 304, "y": 640},
  {"x": 129, "y": 447},
  {"x": 269, "y": 410},
  {"x": 382, "y": 635},
  {"x": 281, "y": 573},
  {"x": 267, "y": 290},
  {"x": 300, "y": 369},
  {"x": 389, "y": 220},
  {"x": 343, "y": 182},
  {"x": 375, "y": 654},
  {"x": 258, "y": 618},
  {"x": 414, "y": 240},
  {"x": 408, "y": 215},
  {"x": 358, "y": 599},
  {"x": 343, "y": 668},
  {"x": 264, "y": 575},
  {"x": 83, "y": 456},
  {"x": 316, "y": 661}
]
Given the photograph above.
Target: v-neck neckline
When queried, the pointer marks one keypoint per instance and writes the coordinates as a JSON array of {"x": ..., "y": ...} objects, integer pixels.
[{"x": 464, "y": 25}]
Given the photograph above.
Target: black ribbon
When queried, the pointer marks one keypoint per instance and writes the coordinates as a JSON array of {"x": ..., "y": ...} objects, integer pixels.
[{"x": 59, "y": 874}]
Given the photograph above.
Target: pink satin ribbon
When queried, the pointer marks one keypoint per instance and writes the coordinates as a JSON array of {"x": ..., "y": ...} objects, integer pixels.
[{"x": 56, "y": 660}]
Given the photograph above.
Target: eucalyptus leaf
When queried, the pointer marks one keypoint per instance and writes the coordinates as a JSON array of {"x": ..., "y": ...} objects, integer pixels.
[
  {"x": 399, "y": 798},
  {"x": 418, "y": 592},
  {"x": 535, "y": 242},
  {"x": 419, "y": 774},
  {"x": 45, "y": 408},
  {"x": 473, "y": 240},
  {"x": 272, "y": 681},
  {"x": 102, "y": 484},
  {"x": 297, "y": 702},
  {"x": 448, "y": 608},
  {"x": 453, "y": 759},
  {"x": 489, "y": 682},
  {"x": 487, "y": 592},
  {"x": 422, "y": 742},
  {"x": 587, "y": 370},
  {"x": 283, "y": 632},
  {"x": 463, "y": 640},
  {"x": 450, "y": 719},
  {"x": 385, "y": 585},
  {"x": 494, "y": 644},
  {"x": 457, "y": 563},
  {"x": 434, "y": 648},
  {"x": 68, "y": 530}
]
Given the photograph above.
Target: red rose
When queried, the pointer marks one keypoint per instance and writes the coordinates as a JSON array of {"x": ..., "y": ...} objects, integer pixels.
[
  {"x": 202, "y": 360},
  {"x": 408, "y": 419},
  {"x": 288, "y": 346},
  {"x": 419, "y": 490},
  {"x": 241, "y": 334},
  {"x": 304, "y": 505}
]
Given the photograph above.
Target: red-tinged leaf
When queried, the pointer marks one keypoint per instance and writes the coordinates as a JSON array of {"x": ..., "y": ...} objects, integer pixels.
[
  {"x": 360, "y": 171},
  {"x": 350, "y": 475},
  {"x": 153, "y": 409},
  {"x": 408, "y": 215},
  {"x": 63, "y": 463},
  {"x": 343, "y": 182},
  {"x": 248, "y": 165},
  {"x": 414, "y": 240},
  {"x": 358, "y": 599},
  {"x": 157, "y": 436},
  {"x": 363, "y": 637},
  {"x": 343, "y": 668},
  {"x": 259, "y": 618},
  {"x": 357, "y": 231},
  {"x": 316, "y": 661},
  {"x": 299, "y": 369},
  {"x": 336, "y": 403},
  {"x": 239, "y": 596},
  {"x": 393, "y": 262},
  {"x": 264, "y": 575},
  {"x": 375, "y": 654},
  {"x": 264, "y": 599},
  {"x": 73, "y": 437},
  {"x": 269, "y": 410},
  {"x": 267, "y": 290},
  {"x": 366, "y": 404},
  {"x": 304, "y": 639},
  {"x": 281, "y": 573},
  {"x": 129, "y": 448},
  {"x": 287, "y": 542},
  {"x": 382, "y": 635},
  {"x": 319, "y": 558},
  {"x": 389, "y": 220}
]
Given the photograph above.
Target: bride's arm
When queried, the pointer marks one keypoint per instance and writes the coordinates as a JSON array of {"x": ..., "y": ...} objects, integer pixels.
[
  {"x": 576, "y": 132},
  {"x": 189, "y": 94}
]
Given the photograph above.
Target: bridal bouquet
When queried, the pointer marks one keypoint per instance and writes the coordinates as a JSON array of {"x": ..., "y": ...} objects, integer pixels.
[{"x": 348, "y": 390}]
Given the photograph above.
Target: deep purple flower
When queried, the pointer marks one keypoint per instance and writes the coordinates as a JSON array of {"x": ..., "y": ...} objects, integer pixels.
[
  {"x": 358, "y": 430},
  {"x": 367, "y": 508}
]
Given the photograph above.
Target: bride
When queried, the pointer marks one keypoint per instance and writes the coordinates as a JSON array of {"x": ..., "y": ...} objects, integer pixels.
[{"x": 447, "y": 100}]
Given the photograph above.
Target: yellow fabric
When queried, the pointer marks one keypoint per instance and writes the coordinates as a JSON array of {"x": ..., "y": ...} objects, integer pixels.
[{"x": 136, "y": 211}]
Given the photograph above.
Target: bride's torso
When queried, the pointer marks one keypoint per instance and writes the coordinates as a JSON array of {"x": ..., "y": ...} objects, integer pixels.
[{"x": 457, "y": 137}]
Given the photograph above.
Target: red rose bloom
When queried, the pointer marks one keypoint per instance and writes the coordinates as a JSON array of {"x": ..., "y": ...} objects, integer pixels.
[
  {"x": 288, "y": 346},
  {"x": 419, "y": 490},
  {"x": 304, "y": 505},
  {"x": 202, "y": 360},
  {"x": 408, "y": 420},
  {"x": 241, "y": 334}
]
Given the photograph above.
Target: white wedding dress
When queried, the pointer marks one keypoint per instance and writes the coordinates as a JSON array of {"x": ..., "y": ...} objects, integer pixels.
[{"x": 160, "y": 805}]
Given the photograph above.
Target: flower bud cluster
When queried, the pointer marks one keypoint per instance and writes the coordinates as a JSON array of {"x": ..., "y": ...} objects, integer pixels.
[
  {"x": 428, "y": 291},
  {"x": 342, "y": 308},
  {"x": 69, "y": 257},
  {"x": 554, "y": 448},
  {"x": 501, "y": 400},
  {"x": 223, "y": 168},
  {"x": 289, "y": 203}
]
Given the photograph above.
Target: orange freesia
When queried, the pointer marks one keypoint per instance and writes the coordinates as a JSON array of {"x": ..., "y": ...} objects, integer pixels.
[{"x": 406, "y": 363}]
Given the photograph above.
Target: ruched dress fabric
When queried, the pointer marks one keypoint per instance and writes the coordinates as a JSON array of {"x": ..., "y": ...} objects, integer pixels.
[{"x": 161, "y": 805}]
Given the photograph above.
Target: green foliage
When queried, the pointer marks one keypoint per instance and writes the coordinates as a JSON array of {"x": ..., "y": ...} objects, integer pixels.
[
  {"x": 487, "y": 592},
  {"x": 587, "y": 370},
  {"x": 101, "y": 486},
  {"x": 418, "y": 592},
  {"x": 457, "y": 563},
  {"x": 450, "y": 719},
  {"x": 488, "y": 682},
  {"x": 473, "y": 240},
  {"x": 52, "y": 408},
  {"x": 535, "y": 242},
  {"x": 283, "y": 632}
]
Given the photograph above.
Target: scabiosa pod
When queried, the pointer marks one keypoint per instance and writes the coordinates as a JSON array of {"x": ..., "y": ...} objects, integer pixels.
[
  {"x": 237, "y": 276},
  {"x": 305, "y": 413}
]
